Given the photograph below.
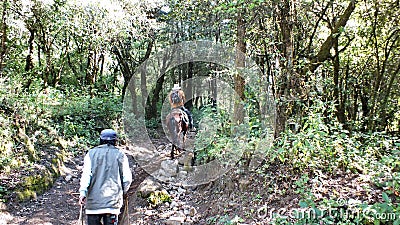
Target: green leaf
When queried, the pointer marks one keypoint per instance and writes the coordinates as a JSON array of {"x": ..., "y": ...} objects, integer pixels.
[
  {"x": 396, "y": 222},
  {"x": 385, "y": 197},
  {"x": 303, "y": 204},
  {"x": 281, "y": 158}
]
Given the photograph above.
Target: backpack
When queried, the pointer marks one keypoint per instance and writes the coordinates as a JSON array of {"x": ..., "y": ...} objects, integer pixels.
[{"x": 175, "y": 98}]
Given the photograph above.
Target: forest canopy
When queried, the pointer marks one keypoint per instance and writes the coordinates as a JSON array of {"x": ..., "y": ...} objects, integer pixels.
[{"x": 344, "y": 52}]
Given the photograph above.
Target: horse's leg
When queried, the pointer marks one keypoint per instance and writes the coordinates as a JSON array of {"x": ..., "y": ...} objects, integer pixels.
[
  {"x": 172, "y": 151},
  {"x": 183, "y": 139},
  {"x": 193, "y": 158},
  {"x": 173, "y": 132}
]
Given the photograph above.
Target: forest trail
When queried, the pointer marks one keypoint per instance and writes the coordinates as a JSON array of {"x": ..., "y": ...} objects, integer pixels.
[
  {"x": 235, "y": 196},
  {"x": 59, "y": 205}
]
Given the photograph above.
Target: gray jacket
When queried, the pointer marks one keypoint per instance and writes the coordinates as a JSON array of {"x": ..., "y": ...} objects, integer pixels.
[{"x": 110, "y": 178}]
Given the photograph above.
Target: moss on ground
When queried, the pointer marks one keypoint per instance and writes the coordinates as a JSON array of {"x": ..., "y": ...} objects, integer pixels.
[{"x": 41, "y": 180}]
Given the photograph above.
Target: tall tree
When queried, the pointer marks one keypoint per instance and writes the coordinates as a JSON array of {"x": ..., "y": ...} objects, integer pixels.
[
  {"x": 284, "y": 79},
  {"x": 239, "y": 81},
  {"x": 382, "y": 40},
  {"x": 3, "y": 30}
]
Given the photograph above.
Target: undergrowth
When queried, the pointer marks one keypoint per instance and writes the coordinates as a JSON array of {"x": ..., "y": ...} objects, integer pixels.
[
  {"x": 37, "y": 123},
  {"x": 321, "y": 146}
]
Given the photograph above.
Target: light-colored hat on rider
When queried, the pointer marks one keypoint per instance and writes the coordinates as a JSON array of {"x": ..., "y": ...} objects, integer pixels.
[{"x": 176, "y": 87}]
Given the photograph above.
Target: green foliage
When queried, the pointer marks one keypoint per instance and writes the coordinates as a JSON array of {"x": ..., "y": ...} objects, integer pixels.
[
  {"x": 340, "y": 211},
  {"x": 321, "y": 144},
  {"x": 224, "y": 220},
  {"x": 301, "y": 185},
  {"x": 386, "y": 172},
  {"x": 252, "y": 107},
  {"x": 152, "y": 123},
  {"x": 214, "y": 135},
  {"x": 37, "y": 125},
  {"x": 34, "y": 185},
  {"x": 157, "y": 198},
  {"x": 3, "y": 191},
  {"x": 219, "y": 138},
  {"x": 78, "y": 40},
  {"x": 81, "y": 117}
]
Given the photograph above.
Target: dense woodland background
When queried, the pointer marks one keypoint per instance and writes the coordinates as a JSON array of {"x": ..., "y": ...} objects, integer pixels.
[{"x": 333, "y": 68}]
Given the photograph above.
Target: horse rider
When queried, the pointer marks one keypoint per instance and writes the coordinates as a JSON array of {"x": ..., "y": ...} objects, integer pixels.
[{"x": 177, "y": 101}]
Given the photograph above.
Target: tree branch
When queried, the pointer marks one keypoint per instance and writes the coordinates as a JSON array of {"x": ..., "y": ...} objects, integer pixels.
[{"x": 324, "y": 52}]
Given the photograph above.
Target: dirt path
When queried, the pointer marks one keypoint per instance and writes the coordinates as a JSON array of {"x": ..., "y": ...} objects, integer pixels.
[{"x": 59, "y": 205}]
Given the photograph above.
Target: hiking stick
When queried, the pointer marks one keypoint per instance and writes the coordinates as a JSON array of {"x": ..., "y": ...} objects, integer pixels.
[
  {"x": 126, "y": 211},
  {"x": 80, "y": 220},
  {"x": 124, "y": 216}
]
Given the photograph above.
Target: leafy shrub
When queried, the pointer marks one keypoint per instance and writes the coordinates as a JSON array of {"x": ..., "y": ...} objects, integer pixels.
[
  {"x": 82, "y": 117},
  {"x": 213, "y": 135},
  {"x": 35, "y": 122},
  {"x": 322, "y": 144},
  {"x": 156, "y": 198}
]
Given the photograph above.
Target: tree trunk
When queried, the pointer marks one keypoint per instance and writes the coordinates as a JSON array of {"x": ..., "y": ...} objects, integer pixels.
[
  {"x": 189, "y": 87},
  {"x": 71, "y": 66},
  {"x": 284, "y": 79},
  {"x": 57, "y": 77},
  {"x": 364, "y": 104},
  {"x": 336, "y": 90},
  {"x": 151, "y": 112},
  {"x": 355, "y": 102},
  {"x": 90, "y": 67},
  {"x": 386, "y": 94},
  {"x": 132, "y": 91},
  {"x": 49, "y": 70},
  {"x": 39, "y": 55},
  {"x": 143, "y": 85},
  {"x": 214, "y": 88},
  {"x": 126, "y": 72},
  {"x": 29, "y": 58},
  {"x": 238, "y": 114},
  {"x": 101, "y": 63},
  {"x": 381, "y": 88},
  {"x": 143, "y": 78},
  {"x": 3, "y": 31}
]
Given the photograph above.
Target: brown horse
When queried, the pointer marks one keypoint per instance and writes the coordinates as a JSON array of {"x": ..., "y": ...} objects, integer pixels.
[{"x": 177, "y": 124}]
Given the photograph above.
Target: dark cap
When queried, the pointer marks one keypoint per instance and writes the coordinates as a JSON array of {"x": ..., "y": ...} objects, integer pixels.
[{"x": 108, "y": 134}]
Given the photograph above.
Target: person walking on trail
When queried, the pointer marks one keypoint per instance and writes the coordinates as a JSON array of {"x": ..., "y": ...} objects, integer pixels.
[
  {"x": 106, "y": 178},
  {"x": 177, "y": 100}
]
